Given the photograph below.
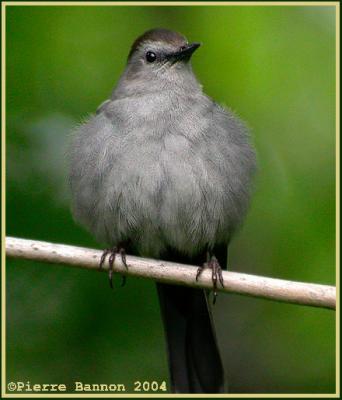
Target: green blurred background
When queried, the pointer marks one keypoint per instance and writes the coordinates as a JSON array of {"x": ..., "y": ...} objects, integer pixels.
[{"x": 274, "y": 66}]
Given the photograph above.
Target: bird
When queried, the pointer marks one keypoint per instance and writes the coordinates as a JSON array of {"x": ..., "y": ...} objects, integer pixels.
[{"x": 163, "y": 171}]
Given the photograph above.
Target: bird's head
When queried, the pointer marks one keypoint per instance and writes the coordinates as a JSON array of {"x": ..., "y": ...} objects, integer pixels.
[
  {"x": 159, "y": 57},
  {"x": 159, "y": 47}
]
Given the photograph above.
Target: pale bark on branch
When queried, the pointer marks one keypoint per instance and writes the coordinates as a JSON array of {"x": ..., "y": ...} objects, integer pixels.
[{"x": 301, "y": 293}]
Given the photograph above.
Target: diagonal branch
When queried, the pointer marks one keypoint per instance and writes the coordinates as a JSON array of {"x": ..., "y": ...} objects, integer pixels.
[{"x": 257, "y": 286}]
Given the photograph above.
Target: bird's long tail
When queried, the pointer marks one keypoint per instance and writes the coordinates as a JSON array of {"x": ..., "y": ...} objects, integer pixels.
[{"x": 194, "y": 360}]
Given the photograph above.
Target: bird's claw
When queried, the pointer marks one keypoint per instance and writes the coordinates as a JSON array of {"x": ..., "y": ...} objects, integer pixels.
[
  {"x": 112, "y": 255},
  {"x": 216, "y": 274}
]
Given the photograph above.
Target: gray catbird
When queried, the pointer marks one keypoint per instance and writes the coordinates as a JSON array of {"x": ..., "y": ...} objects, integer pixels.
[{"x": 163, "y": 171}]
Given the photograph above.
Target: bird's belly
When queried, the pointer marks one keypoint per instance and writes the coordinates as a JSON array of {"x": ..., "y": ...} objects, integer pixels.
[{"x": 163, "y": 199}]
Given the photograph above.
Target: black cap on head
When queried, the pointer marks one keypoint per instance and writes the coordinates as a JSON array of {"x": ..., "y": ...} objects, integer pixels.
[{"x": 159, "y": 35}]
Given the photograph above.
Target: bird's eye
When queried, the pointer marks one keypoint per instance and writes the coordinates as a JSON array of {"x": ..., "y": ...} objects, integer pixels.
[{"x": 150, "y": 56}]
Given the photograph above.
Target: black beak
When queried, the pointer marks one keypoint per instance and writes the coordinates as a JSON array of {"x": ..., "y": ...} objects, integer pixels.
[{"x": 183, "y": 53}]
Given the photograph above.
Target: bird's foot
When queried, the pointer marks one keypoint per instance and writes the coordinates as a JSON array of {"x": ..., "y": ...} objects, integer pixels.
[
  {"x": 216, "y": 273},
  {"x": 112, "y": 255}
]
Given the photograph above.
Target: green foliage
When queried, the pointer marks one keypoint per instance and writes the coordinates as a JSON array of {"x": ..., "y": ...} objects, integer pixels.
[{"x": 275, "y": 66}]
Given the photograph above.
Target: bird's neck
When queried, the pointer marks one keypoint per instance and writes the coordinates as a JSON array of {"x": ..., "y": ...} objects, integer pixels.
[{"x": 176, "y": 83}]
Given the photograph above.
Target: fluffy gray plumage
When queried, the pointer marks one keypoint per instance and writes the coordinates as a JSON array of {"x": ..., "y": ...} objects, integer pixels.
[
  {"x": 164, "y": 168},
  {"x": 161, "y": 163}
]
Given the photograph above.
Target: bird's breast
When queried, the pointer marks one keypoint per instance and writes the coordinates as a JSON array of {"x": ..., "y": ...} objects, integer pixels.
[{"x": 165, "y": 188}]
